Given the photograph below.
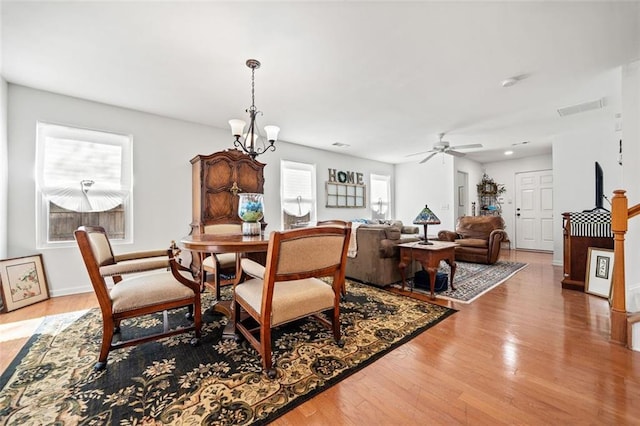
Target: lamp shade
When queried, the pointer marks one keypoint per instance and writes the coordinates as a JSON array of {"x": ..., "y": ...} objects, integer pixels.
[
  {"x": 272, "y": 132},
  {"x": 426, "y": 217},
  {"x": 237, "y": 127}
]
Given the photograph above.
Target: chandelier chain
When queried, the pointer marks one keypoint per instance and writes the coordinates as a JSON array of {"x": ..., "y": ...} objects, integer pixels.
[{"x": 253, "y": 87}]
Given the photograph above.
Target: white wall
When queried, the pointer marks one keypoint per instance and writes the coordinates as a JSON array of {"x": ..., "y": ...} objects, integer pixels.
[
  {"x": 504, "y": 172},
  {"x": 433, "y": 183},
  {"x": 430, "y": 183},
  {"x": 631, "y": 183},
  {"x": 162, "y": 148},
  {"x": 4, "y": 169},
  {"x": 4, "y": 159}
]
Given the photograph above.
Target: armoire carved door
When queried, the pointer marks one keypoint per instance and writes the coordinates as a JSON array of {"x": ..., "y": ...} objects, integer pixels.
[{"x": 216, "y": 180}]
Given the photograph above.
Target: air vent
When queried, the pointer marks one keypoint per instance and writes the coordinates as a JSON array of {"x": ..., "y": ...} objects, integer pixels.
[{"x": 576, "y": 109}]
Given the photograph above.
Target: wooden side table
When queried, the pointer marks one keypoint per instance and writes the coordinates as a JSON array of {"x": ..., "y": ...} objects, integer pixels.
[{"x": 429, "y": 257}]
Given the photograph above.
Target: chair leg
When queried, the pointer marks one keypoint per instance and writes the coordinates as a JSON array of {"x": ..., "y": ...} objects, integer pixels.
[
  {"x": 202, "y": 275},
  {"x": 265, "y": 349},
  {"x": 335, "y": 323},
  {"x": 107, "y": 337},
  {"x": 197, "y": 319}
]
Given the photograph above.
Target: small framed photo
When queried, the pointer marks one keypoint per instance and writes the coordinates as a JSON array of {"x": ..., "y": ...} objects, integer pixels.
[
  {"x": 23, "y": 282},
  {"x": 599, "y": 272}
]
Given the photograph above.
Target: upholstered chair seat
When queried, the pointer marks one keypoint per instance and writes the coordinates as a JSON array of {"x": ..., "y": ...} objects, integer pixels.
[
  {"x": 225, "y": 260},
  {"x": 291, "y": 299},
  {"x": 472, "y": 242},
  {"x": 134, "y": 293}
]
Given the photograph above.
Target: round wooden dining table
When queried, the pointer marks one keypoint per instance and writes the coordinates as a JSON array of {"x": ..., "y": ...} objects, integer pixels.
[{"x": 226, "y": 243}]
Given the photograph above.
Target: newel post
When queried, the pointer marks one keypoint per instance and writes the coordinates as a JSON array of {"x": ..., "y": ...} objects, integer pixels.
[{"x": 618, "y": 305}]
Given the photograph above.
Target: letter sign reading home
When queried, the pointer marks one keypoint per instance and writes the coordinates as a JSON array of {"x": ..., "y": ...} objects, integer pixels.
[{"x": 346, "y": 177}]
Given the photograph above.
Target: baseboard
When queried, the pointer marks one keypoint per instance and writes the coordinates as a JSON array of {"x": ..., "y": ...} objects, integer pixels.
[
  {"x": 633, "y": 332},
  {"x": 70, "y": 290}
]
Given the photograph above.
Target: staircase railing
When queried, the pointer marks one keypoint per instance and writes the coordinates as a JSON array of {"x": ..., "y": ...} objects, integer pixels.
[{"x": 620, "y": 215}]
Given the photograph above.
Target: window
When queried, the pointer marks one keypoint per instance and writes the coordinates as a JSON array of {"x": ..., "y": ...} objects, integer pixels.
[
  {"x": 83, "y": 177},
  {"x": 298, "y": 195},
  {"x": 380, "y": 196}
]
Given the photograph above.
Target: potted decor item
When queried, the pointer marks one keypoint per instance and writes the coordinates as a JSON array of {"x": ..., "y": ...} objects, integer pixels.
[{"x": 250, "y": 210}]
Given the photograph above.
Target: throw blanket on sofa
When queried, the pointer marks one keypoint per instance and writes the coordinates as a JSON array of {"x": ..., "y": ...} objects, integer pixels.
[{"x": 353, "y": 243}]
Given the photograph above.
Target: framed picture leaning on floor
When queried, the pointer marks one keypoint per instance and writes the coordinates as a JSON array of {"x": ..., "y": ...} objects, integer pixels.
[
  {"x": 23, "y": 282},
  {"x": 599, "y": 272}
]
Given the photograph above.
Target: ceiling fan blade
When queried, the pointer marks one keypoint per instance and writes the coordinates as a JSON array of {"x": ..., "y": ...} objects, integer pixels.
[
  {"x": 428, "y": 157},
  {"x": 418, "y": 153},
  {"x": 455, "y": 153},
  {"x": 473, "y": 145}
]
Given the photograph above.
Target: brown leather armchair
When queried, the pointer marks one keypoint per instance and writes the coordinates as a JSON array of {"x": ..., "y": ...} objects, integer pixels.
[{"x": 479, "y": 238}]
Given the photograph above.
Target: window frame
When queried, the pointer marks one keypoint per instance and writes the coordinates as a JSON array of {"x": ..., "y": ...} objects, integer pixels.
[
  {"x": 45, "y": 130},
  {"x": 374, "y": 178},
  {"x": 296, "y": 165}
]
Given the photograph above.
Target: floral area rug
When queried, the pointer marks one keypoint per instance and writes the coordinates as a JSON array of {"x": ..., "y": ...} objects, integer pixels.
[
  {"x": 219, "y": 382},
  {"x": 472, "y": 280}
]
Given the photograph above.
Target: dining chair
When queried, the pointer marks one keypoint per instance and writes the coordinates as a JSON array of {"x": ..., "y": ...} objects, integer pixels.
[
  {"x": 337, "y": 222},
  {"x": 289, "y": 288},
  {"x": 143, "y": 283},
  {"x": 218, "y": 264}
]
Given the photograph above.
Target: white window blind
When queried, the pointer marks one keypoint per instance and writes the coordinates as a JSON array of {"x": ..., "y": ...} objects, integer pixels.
[
  {"x": 380, "y": 194},
  {"x": 83, "y": 176},
  {"x": 298, "y": 188}
]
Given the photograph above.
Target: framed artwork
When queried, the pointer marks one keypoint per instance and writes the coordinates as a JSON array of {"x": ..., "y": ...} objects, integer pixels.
[
  {"x": 599, "y": 272},
  {"x": 23, "y": 282}
]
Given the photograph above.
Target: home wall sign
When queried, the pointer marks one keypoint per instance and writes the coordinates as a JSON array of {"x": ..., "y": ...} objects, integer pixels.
[{"x": 346, "y": 189}]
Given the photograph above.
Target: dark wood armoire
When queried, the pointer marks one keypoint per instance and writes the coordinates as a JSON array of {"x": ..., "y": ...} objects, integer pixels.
[{"x": 216, "y": 181}]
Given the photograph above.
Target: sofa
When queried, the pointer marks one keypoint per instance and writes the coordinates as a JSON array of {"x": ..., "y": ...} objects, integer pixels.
[
  {"x": 479, "y": 238},
  {"x": 374, "y": 256}
]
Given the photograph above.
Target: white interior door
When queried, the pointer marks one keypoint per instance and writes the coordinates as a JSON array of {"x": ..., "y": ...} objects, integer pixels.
[{"x": 534, "y": 210}]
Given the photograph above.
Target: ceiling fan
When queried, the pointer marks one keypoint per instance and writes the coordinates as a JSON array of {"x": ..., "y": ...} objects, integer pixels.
[{"x": 445, "y": 147}]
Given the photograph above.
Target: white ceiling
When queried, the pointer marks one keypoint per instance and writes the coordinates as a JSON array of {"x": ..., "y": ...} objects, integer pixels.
[{"x": 383, "y": 77}]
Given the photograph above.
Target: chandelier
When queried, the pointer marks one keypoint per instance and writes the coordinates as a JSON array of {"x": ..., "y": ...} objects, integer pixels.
[{"x": 252, "y": 142}]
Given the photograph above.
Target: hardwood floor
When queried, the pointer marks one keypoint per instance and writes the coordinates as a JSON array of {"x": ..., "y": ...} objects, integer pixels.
[{"x": 528, "y": 352}]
